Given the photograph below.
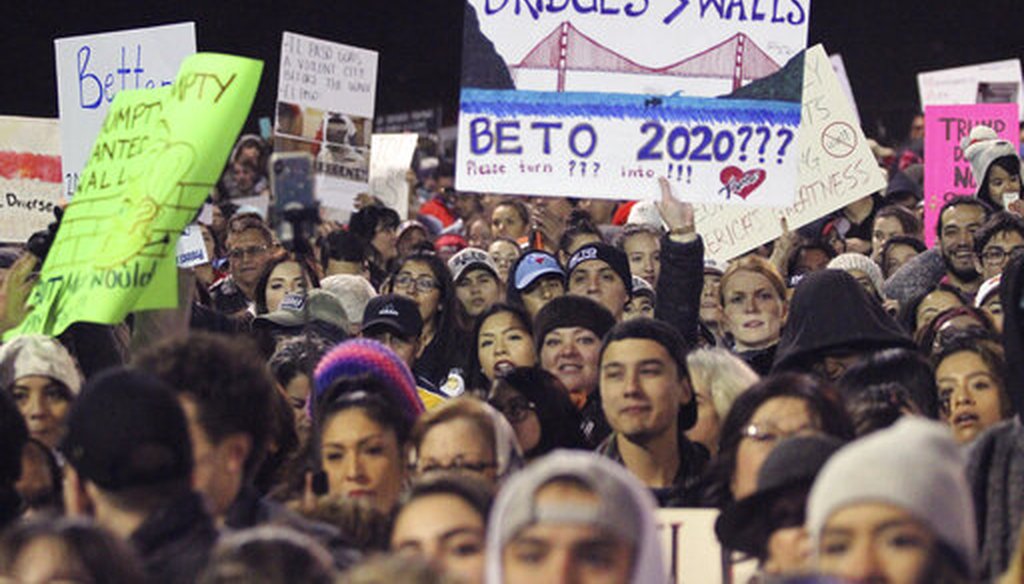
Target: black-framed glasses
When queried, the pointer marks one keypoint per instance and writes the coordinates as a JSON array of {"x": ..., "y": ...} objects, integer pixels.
[
  {"x": 406, "y": 282},
  {"x": 251, "y": 251},
  {"x": 515, "y": 410},
  {"x": 998, "y": 255}
]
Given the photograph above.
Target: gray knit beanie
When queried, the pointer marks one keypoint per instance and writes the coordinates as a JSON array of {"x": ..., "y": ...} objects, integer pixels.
[
  {"x": 914, "y": 465},
  {"x": 861, "y": 263}
]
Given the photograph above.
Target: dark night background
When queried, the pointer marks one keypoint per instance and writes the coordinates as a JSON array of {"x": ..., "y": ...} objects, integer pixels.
[{"x": 883, "y": 42}]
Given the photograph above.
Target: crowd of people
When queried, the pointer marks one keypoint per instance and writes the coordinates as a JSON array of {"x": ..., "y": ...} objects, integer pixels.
[{"x": 506, "y": 389}]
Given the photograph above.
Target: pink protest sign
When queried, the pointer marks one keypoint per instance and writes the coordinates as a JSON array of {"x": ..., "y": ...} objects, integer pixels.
[{"x": 947, "y": 172}]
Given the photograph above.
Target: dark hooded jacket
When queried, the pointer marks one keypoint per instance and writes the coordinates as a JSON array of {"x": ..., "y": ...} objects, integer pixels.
[
  {"x": 995, "y": 465},
  {"x": 831, "y": 312}
]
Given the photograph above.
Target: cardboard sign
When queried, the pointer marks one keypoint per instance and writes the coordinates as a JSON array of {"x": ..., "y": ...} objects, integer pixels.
[
  {"x": 947, "y": 172},
  {"x": 93, "y": 69},
  {"x": 836, "y": 168},
  {"x": 191, "y": 250},
  {"x": 159, "y": 153},
  {"x": 690, "y": 546},
  {"x": 581, "y": 100},
  {"x": 972, "y": 84},
  {"x": 30, "y": 176},
  {"x": 392, "y": 155},
  {"x": 325, "y": 100}
]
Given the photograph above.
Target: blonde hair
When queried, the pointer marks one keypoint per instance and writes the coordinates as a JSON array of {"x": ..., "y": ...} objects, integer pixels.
[
  {"x": 724, "y": 374},
  {"x": 758, "y": 265}
]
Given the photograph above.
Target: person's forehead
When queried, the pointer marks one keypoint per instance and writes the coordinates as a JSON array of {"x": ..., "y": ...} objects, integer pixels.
[
  {"x": 245, "y": 237},
  {"x": 1005, "y": 236},
  {"x": 570, "y": 332},
  {"x": 962, "y": 213},
  {"x": 635, "y": 349}
]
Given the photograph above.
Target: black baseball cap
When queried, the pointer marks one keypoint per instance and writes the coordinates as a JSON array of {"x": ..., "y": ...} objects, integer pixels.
[
  {"x": 127, "y": 429},
  {"x": 397, "y": 313}
]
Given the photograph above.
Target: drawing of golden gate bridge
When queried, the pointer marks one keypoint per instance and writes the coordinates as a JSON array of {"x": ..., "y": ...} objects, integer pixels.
[{"x": 566, "y": 50}]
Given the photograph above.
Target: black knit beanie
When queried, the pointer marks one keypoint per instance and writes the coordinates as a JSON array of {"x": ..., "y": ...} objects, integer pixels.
[
  {"x": 572, "y": 311},
  {"x": 614, "y": 257}
]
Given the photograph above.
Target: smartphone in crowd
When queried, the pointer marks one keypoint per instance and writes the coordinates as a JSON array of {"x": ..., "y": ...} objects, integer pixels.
[{"x": 293, "y": 195}]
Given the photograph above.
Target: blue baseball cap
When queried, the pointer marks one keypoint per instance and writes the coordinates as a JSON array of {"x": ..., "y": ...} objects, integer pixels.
[{"x": 533, "y": 266}]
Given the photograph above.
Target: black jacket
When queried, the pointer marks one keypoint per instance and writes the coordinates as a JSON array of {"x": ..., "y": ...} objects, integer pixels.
[
  {"x": 251, "y": 510},
  {"x": 174, "y": 542},
  {"x": 680, "y": 282},
  {"x": 686, "y": 488},
  {"x": 831, "y": 312}
]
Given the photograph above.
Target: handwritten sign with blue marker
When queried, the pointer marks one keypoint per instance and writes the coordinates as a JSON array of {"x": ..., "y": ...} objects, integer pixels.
[
  {"x": 600, "y": 98},
  {"x": 93, "y": 69}
]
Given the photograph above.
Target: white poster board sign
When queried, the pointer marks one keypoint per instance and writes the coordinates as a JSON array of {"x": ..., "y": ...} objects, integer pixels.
[
  {"x": 325, "y": 101},
  {"x": 390, "y": 161},
  {"x": 836, "y": 168},
  {"x": 92, "y": 69},
  {"x": 689, "y": 545},
  {"x": 191, "y": 250},
  {"x": 968, "y": 84},
  {"x": 601, "y": 101},
  {"x": 30, "y": 175}
]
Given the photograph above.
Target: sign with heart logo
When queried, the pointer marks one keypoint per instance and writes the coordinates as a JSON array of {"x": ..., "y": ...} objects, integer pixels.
[{"x": 742, "y": 184}]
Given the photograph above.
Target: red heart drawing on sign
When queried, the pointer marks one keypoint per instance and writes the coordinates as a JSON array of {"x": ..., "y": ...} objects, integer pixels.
[{"x": 741, "y": 183}]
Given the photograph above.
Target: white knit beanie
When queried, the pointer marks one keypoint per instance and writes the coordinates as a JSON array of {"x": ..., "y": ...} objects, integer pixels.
[
  {"x": 861, "y": 263},
  {"x": 914, "y": 465},
  {"x": 981, "y": 148}
]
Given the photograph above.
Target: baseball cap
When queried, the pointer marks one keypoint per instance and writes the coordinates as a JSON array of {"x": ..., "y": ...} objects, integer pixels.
[
  {"x": 127, "y": 429},
  {"x": 533, "y": 265},
  {"x": 468, "y": 259},
  {"x": 398, "y": 313},
  {"x": 322, "y": 305}
]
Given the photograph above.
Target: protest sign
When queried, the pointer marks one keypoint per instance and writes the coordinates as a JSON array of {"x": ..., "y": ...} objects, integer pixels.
[
  {"x": 93, "y": 69},
  {"x": 159, "y": 153},
  {"x": 599, "y": 102},
  {"x": 30, "y": 177},
  {"x": 947, "y": 172},
  {"x": 836, "y": 168},
  {"x": 999, "y": 81},
  {"x": 691, "y": 549},
  {"x": 191, "y": 249},
  {"x": 325, "y": 100},
  {"x": 389, "y": 163}
]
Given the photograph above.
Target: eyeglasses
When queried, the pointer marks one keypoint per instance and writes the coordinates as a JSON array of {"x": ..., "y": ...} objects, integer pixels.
[
  {"x": 998, "y": 255},
  {"x": 516, "y": 410},
  {"x": 458, "y": 464},
  {"x": 769, "y": 433},
  {"x": 406, "y": 282},
  {"x": 251, "y": 251}
]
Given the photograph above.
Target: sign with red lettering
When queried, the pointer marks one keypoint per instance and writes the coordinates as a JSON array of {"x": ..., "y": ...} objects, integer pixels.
[
  {"x": 947, "y": 173},
  {"x": 30, "y": 178}
]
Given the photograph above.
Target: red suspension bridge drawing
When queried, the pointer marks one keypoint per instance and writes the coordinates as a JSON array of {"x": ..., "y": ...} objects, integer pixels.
[{"x": 566, "y": 48}]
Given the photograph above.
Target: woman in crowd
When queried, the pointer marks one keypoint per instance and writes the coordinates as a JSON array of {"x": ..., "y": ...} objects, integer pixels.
[
  {"x": 898, "y": 250},
  {"x": 465, "y": 435},
  {"x": 477, "y": 285},
  {"x": 535, "y": 279},
  {"x": 718, "y": 377},
  {"x": 504, "y": 341},
  {"x": 919, "y": 312},
  {"x": 282, "y": 276},
  {"x": 996, "y": 162},
  {"x": 66, "y": 550},
  {"x": 43, "y": 380},
  {"x": 970, "y": 373},
  {"x": 895, "y": 507},
  {"x": 443, "y": 519},
  {"x": 952, "y": 322},
  {"x": 776, "y": 407},
  {"x": 378, "y": 226},
  {"x": 642, "y": 245},
  {"x": 754, "y": 310},
  {"x": 425, "y": 279},
  {"x": 538, "y": 407},
  {"x": 504, "y": 252},
  {"x": 510, "y": 218}
]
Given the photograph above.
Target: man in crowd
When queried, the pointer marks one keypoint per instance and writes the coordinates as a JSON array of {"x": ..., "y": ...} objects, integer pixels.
[
  {"x": 601, "y": 272},
  {"x": 129, "y": 467},
  {"x": 959, "y": 220},
  {"x": 573, "y": 517},
  {"x": 250, "y": 246},
  {"x": 229, "y": 401},
  {"x": 996, "y": 241},
  {"x": 649, "y": 404}
]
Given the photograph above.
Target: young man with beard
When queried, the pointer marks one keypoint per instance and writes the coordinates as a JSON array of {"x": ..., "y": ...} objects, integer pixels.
[
  {"x": 959, "y": 219},
  {"x": 649, "y": 404}
]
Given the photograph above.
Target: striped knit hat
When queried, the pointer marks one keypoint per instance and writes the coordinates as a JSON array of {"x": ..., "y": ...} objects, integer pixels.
[{"x": 358, "y": 357}]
